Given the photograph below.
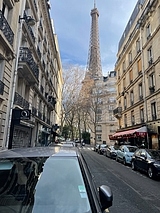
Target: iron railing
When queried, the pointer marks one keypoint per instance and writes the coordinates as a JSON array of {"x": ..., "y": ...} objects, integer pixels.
[{"x": 5, "y": 28}]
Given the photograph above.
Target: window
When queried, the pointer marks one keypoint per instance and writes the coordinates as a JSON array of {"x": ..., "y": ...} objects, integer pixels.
[
  {"x": 150, "y": 56},
  {"x": 125, "y": 120},
  {"x": 124, "y": 83},
  {"x": 98, "y": 128},
  {"x": 125, "y": 102},
  {"x": 98, "y": 137},
  {"x": 148, "y": 31},
  {"x": 153, "y": 111},
  {"x": 99, "y": 111},
  {"x": 140, "y": 92},
  {"x": 152, "y": 83},
  {"x": 131, "y": 75},
  {"x": 98, "y": 118},
  {"x": 1, "y": 68},
  {"x": 124, "y": 66},
  {"x": 138, "y": 45},
  {"x": 132, "y": 97},
  {"x": 139, "y": 66},
  {"x": 142, "y": 115},
  {"x": 132, "y": 118},
  {"x": 130, "y": 57}
]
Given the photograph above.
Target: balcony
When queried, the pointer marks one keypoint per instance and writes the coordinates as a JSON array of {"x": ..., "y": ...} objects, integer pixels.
[
  {"x": 52, "y": 101},
  {"x": 20, "y": 101},
  {"x": 1, "y": 88},
  {"x": 117, "y": 112},
  {"x": 27, "y": 66},
  {"x": 5, "y": 28}
]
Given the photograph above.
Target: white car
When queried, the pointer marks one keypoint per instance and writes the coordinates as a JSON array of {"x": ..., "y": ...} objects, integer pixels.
[{"x": 125, "y": 153}]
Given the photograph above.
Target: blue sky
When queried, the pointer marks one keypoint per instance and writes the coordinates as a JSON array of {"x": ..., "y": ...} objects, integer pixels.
[{"x": 72, "y": 23}]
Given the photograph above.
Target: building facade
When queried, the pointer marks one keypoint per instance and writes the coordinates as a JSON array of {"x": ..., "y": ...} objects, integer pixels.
[
  {"x": 32, "y": 78},
  {"x": 138, "y": 85}
]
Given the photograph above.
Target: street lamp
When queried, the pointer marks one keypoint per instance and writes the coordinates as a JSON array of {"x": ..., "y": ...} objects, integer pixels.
[{"x": 28, "y": 19}]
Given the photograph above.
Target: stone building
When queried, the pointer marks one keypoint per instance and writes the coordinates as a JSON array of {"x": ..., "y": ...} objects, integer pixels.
[
  {"x": 31, "y": 78},
  {"x": 138, "y": 77}
]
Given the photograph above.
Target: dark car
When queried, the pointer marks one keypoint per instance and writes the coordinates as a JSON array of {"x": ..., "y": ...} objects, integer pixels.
[
  {"x": 111, "y": 152},
  {"x": 49, "y": 179},
  {"x": 101, "y": 149},
  {"x": 147, "y": 160}
]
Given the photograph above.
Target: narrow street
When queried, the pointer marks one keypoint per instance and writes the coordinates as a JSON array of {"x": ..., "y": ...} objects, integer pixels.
[{"x": 132, "y": 191}]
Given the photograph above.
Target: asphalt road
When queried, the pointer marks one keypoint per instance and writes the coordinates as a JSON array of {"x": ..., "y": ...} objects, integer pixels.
[{"x": 133, "y": 192}]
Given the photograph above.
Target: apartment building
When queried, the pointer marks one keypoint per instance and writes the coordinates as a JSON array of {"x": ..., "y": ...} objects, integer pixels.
[
  {"x": 138, "y": 77},
  {"x": 103, "y": 102},
  {"x": 31, "y": 74}
]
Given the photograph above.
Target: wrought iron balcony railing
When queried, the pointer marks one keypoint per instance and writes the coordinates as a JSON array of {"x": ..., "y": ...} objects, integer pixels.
[
  {"x": 1, "y": 88},
  {"x": 20, "y": 101},
  {"x": 26, "y": 56},
  {"x": 5, "y": 28},
  {"x": 117, "y": 112}
]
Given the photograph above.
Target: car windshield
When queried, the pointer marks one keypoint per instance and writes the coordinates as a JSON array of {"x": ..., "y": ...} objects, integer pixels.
[
  {"x": 132, "y": 149},
  {"x": 41, "y": 185},
  {"x": 103, "y": 145},
  {"x": 154, "y": 154}
]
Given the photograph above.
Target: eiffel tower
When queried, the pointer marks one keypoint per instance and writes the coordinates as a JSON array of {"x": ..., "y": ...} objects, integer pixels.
[{"x": 94, "y": 69}]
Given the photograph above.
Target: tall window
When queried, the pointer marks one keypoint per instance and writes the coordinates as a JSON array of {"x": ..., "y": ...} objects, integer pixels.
[
  {"x": 130, "y": 57},
  {"x": 132, "y": 118},
  {"x": 153, "y": 110},
  {"x": 1, "y": 69},
  {"x": 131, "y": 75},
  {"x": 150, "y": 56},
  {"x": 125, "y": 120},
  {"x": 124, "y": 66},
  {"x": 139, "y": 66},
  {"x": 138, "y": 45},
  {"x": 132, "y": 97},
  {"x": 142, "y": 114},
  {"x": 124, "y": 83},
  {"x": 140, "y": 91},
  {"x": 148, "y": 31},
  {"x": 152, "y": 83},
  {"x": 125, "y": 102}
]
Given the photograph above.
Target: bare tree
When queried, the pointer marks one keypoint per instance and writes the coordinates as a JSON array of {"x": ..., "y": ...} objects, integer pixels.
[{"x": 71, "y": 89}]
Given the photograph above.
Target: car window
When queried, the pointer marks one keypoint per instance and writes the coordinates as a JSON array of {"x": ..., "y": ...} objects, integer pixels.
[
  {"x": 68, "y": 190},
  {"x": 42, "y": 184},
  {"x": 154, "y": 153},
  {"x": 132, "y": 149}
]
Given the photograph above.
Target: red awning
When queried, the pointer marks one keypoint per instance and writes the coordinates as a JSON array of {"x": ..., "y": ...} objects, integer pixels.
[{"x": 129, "y": 133}]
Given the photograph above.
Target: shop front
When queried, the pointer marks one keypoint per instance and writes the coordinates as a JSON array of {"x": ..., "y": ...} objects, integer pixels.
[{"x": 135, "y": 137}]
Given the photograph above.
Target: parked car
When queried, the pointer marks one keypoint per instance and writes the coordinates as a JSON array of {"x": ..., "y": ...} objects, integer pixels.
[
  {"x": 125, "y": 153},
  {"x": 147, "y": 160},
  {"x": 101, "y": 149},
  {"x": 111, "y": 151},
  {"x": 49, "y": 179},
  {"x": 96, "y": 147}
]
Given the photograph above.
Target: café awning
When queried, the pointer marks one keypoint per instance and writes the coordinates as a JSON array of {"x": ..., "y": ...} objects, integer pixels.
[{"x": 142, "y": 131}]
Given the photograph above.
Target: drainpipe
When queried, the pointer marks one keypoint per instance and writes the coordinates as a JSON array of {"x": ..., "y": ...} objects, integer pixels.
[
  {"x": 143, "y": 80},
  {"x": 18, "y": 41}
]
